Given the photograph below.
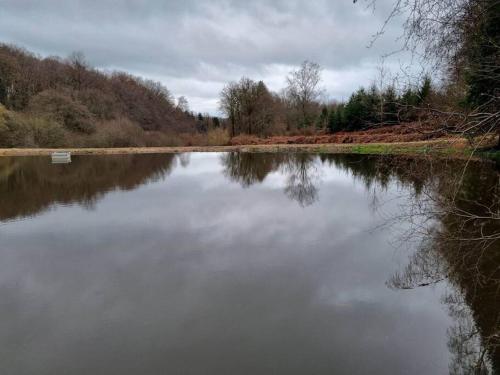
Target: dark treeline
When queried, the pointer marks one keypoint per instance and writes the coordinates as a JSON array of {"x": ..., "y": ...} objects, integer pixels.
[
  {"x": 252, "y": 109},
  {"x": 53, "y": 102},
  {"x": 380, "y": 107},
  {"x": 460, "y": 41}
]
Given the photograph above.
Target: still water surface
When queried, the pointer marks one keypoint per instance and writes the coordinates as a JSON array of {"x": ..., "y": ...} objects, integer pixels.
[{"x": 217, "y": 264}]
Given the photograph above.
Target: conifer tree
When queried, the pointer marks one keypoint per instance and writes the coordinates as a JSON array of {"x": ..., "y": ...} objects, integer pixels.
[
  {"x": 322, "y": 121},
  {"x": 332, "y": 121}
]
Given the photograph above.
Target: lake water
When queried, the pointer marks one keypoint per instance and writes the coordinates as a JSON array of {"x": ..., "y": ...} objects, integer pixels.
[{"x": 236, "y": 264}]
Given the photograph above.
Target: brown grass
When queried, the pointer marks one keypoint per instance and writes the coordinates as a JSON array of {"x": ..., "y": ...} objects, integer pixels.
[{"x": 412, "y": 132}]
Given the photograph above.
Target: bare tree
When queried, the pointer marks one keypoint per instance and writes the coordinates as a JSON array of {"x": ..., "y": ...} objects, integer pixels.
[
  {"x": 183, "y": 104},
  {"x": 249, "y": 106},
  {"x": 228, "y": 104},
  {"x": 303, "y": 89},
  {"x": 79, "y": 67},
  {"x": 302, "y": 179}
]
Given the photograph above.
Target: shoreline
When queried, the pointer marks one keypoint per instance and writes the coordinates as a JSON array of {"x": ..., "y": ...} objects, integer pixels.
[{"x": 447, "y": 147}]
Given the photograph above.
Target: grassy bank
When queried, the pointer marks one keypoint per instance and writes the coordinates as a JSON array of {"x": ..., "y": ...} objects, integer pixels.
[{"x": 453, "y": 148}]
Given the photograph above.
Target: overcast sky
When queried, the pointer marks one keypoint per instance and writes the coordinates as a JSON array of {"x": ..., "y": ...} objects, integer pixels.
[{"x": 194, "y": 47}]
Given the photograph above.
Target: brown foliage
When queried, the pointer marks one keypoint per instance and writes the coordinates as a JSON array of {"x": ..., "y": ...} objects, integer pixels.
[
  {"x": 119, "y": 132},
  {"x": 62, "y": 108},
  {"x": 213, "y": 137},
  {"x": 71, "y": 94},
  {"x": 19, "y": 130},
  {"x": 83, "y": 182},
  {"x": 386, "y": 134},
  {"x": 250, "y": 108}
]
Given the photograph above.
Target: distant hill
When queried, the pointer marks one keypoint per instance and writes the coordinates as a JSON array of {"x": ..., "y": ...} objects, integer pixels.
[{"x": 51, "y": 102}]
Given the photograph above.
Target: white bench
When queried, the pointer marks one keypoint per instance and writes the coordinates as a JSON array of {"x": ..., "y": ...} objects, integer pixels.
[{"x": 61, "y": 157}]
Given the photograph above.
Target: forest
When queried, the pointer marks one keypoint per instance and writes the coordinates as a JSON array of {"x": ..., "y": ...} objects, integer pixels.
[
  {"x": 252, "y": 109},
  {"x": 56, "y": 102},
  {"x": 458, "y": 93}
]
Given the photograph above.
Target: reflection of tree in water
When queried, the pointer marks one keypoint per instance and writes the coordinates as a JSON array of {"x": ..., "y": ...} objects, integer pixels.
[
  {"x": 301, "y": 176},
  {"x": 459, "y": 220},
  {"x": 300, "y": 170},
  {"x": 32, "y": 184},
  {"x": 376, "y": 172},
  {"x": 455, "y": 213},
  {"x": 472, "y": 299},
  {"x": 464, "y": 339},
  {"x": 184, "y": 159},
  {"x": 248, "y": 168}
]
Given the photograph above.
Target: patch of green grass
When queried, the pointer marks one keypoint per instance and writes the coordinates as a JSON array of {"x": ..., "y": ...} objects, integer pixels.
[
  {"x": 370, "y": 149},
  {"x": 411, "y": 149},
  {"x": 377, "y": 149},
  {"x": 408, "y": 149}
]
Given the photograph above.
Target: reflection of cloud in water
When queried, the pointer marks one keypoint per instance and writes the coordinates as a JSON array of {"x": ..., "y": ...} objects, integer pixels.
[
  {"x": 318, "y": 260},
  {"x": 299, "y": 170},
  {"x": 194, "y": 274}
]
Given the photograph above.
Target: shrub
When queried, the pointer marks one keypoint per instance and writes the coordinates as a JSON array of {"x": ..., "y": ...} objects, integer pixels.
[
  {"x": 245, "y": 139},
  {"x": 218, "y": 137},
  {"x": 20, "y": 130},
  {"x": 4, "y": 131},
  {"x": 101, "y": 104},
  {"x": 62, "y": 108},
  {"x": 118, "y": 133},
  {"x": 194, "y": 139},
  {"x": 3, "y": 114},
  {"x": 14, "y": 132},
  {"x": 162, "y": 139},
  {"x": 46, "y": 132}
]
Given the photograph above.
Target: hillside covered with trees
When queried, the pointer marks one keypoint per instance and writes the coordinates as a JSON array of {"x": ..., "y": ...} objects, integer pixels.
[{"x": 52, "y": 102}]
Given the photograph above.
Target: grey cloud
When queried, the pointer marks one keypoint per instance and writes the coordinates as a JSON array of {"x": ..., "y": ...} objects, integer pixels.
[{"x": 210, "y": 42}]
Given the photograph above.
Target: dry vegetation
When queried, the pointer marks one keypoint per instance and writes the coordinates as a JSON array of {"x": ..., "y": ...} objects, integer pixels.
[
  {"x": 51, "y": 102},
  {"x": 412, "y": 132}
]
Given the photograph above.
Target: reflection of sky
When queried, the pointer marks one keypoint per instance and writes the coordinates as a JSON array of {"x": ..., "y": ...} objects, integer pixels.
[{"x": 193, "y": 274}]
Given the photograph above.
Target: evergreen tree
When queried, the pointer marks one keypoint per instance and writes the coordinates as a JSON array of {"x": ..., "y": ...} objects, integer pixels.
[
  {"x": 322, "y": 121},
  {"x": 339, "y": 118},
  {"x": 332, "y": 120},
  {"x": 201, "y": 125},
  {"x": 390, "y": 107},
  {"x": 409, "y": 101},
  {"x": 425, "y": 90},
  {"x": 373, "y": 105},
  {"x": 357, "y": 110},
  {"x": 216, "y": 122},
  {"x": 410, "y": 98},
  {"x": 482, "y": 51}
]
